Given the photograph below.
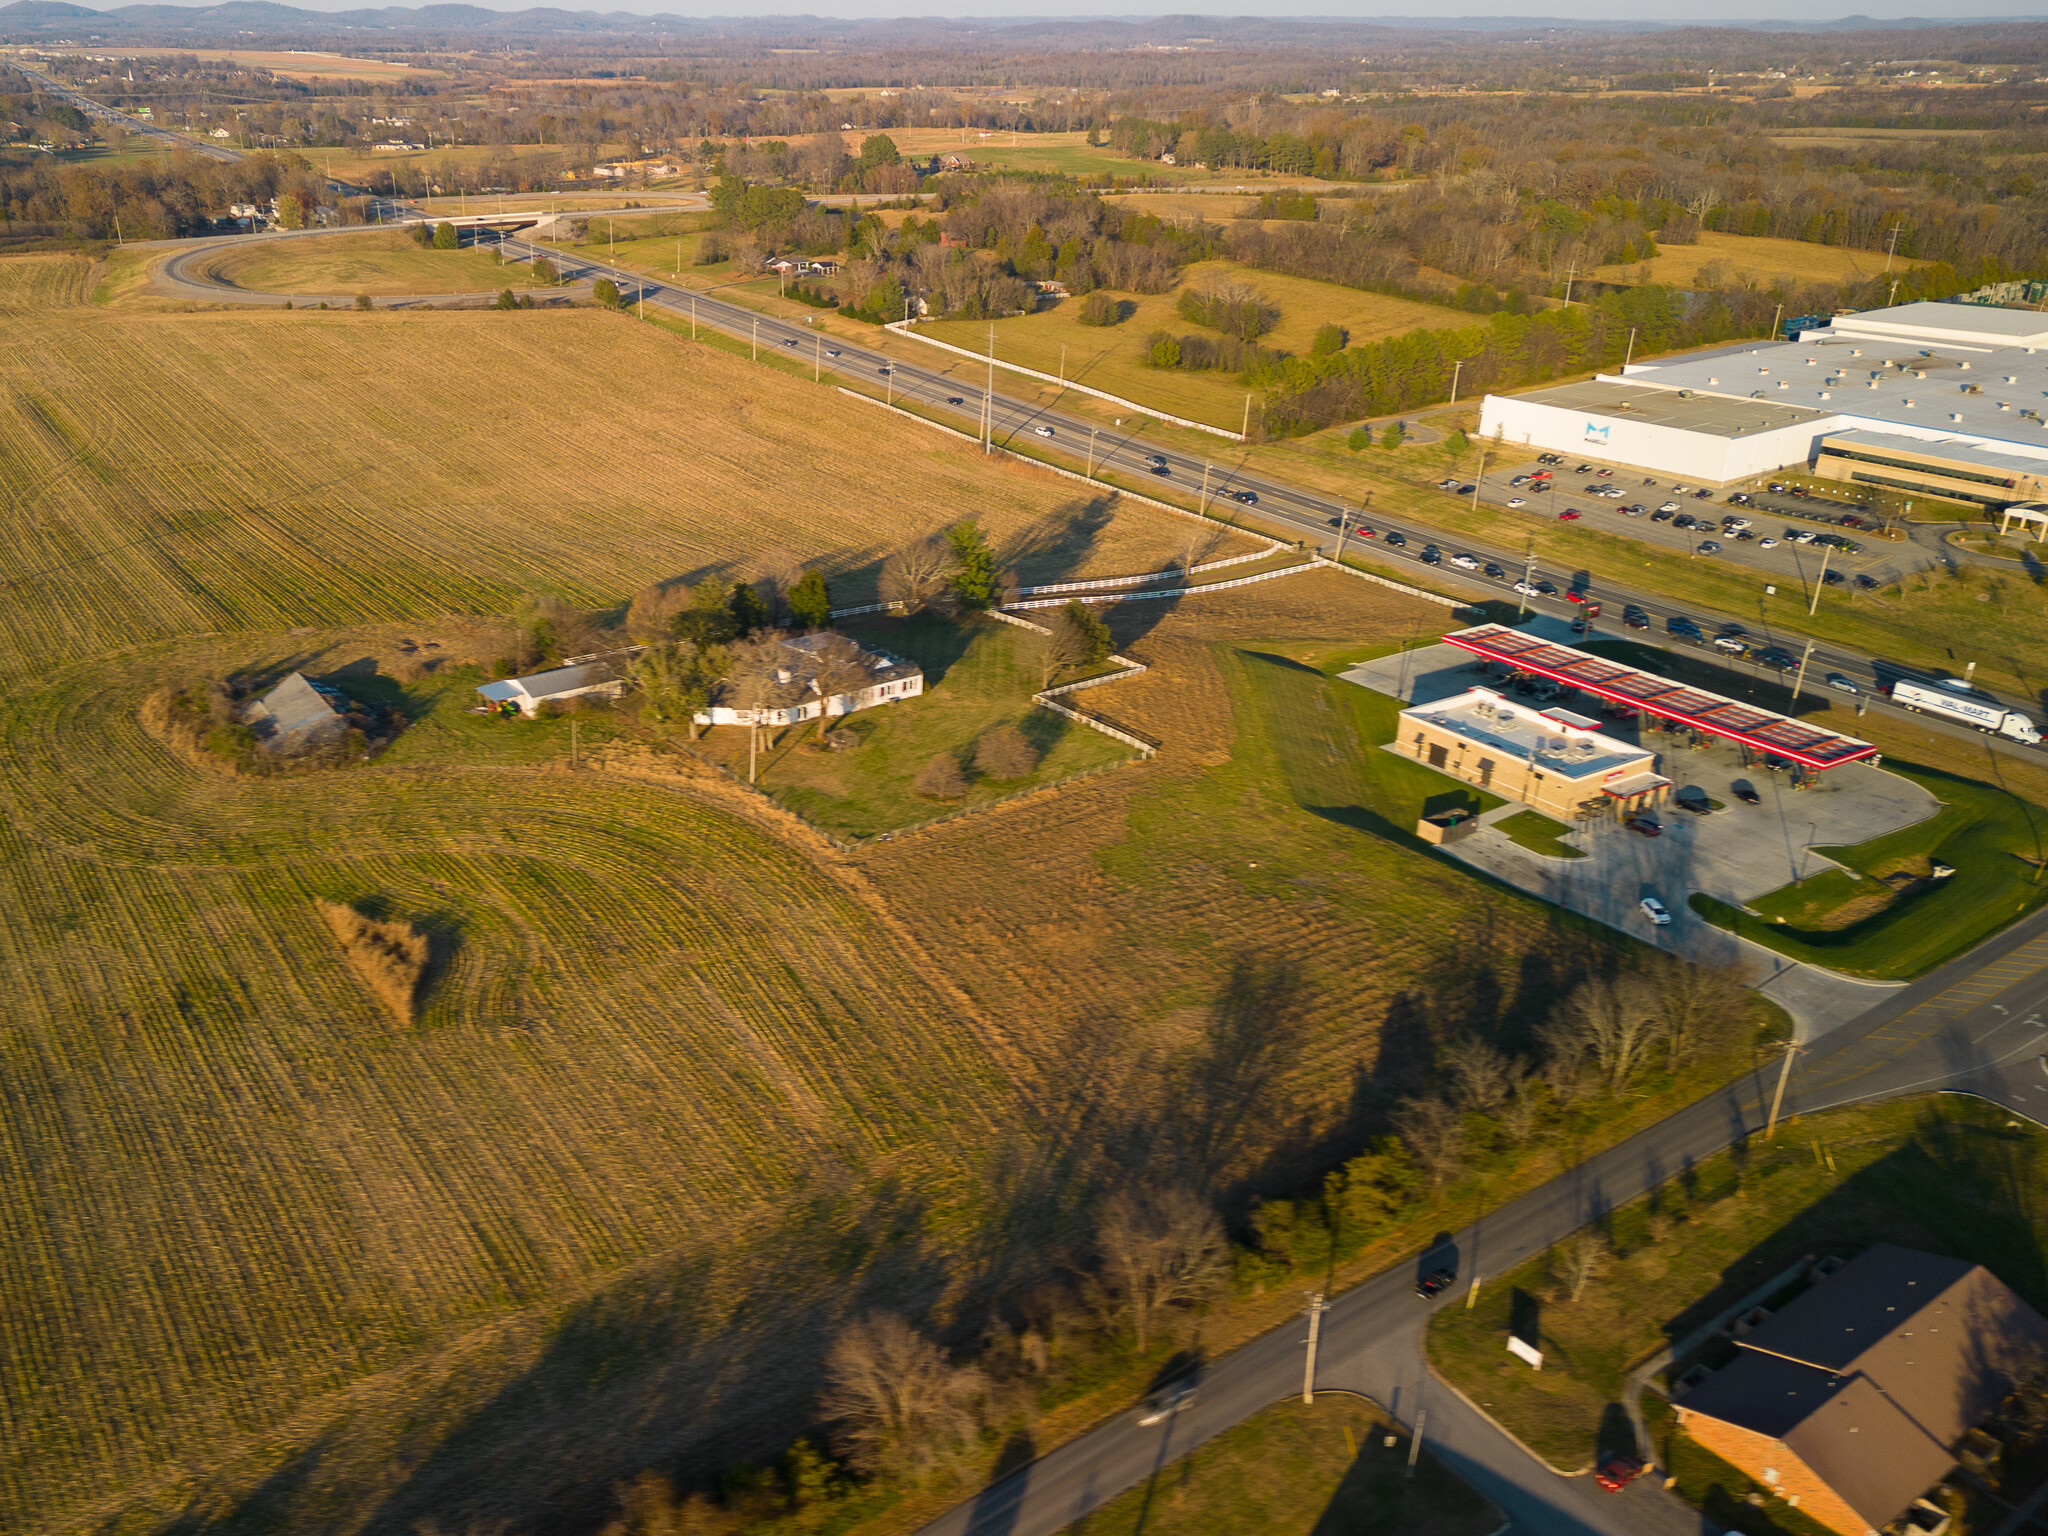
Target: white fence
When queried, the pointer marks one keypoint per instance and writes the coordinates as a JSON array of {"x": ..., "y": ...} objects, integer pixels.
[
  {"x": 909, "y": 328},
  {"x": 1196, "y": 591},
  {"x": 1134, "y": 581},
  {"x": 1398, "y": 586}
]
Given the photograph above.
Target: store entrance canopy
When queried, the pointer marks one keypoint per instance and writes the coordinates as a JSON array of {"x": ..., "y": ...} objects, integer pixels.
[{"x": 1779, "y": 735}]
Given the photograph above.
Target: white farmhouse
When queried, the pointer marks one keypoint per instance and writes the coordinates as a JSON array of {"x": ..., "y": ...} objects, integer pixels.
[{"x": 883, "y": 679}]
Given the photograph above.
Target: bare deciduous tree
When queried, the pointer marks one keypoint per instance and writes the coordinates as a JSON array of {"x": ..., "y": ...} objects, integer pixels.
[
  {"x": 902, "y": 1403},
  {"x": 1703, "y": 1010},
  {"x": 1519, "y": 1115},
  {"x": 841, "y": 668},
  {"x": 1615, "y": 1024},
  {"x": 916, "y": 574},
  {"x": 1161, "y": 1252},
  {"x": 1435, "y": 1134},
  {"x": 1060, "y": 647},
  {"x": 1481, "y": 1076},
  {"x": 1581, "y": 1260}
]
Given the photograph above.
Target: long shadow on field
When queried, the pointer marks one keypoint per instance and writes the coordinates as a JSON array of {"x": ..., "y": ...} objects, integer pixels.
[{"x": 687, "y": 1366}]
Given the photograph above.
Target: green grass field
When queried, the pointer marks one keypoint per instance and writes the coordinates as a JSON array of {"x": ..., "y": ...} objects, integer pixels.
[
  {"x": 1110, "y": 357},
  {"x": 1321, "y": 1469},
  {"x": 1993, "y": 839},
  {"x": 1539, "y": 834},
  {"x": 977, "y": 676},
  {"x": 1937, "y": 1173}
]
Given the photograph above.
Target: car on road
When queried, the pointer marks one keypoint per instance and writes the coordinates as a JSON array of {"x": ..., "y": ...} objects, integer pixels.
[
  {"x": 1669, "y": 506},
  {"x": 789, "y": 341},
  {"x": 1634, "y": 617},
  {"x": 1655, "y": 911},
  {"x": 1777, "y": 656},
  {"x": 1842, "y": 684},
  {"x": 1575, "y": 595},
  {"x": 1710, "y": 547},
  {"x": 1160, "y": 470},
  {"x": 1684, "y": 628},
  {"x": 1547, "y": 588},
  {"x": 1742, "y": 791},
  {"x": 1567, "y": 516},
  {"x": 1646, "y": 826},
  {"x": 1431, "y": 555},
  {"x": 1580, "y": 625},
  {"x": 1732, "y": 522},
  {"x": 1523, "y": 589},
  {"x": 1617, "y": 1472},
  {"x": 831, "y": 351},
  {"x": 885, "y": 368},
  {"x": 1246, "y": 498},
  {"x": 1766, "y": 543},
  {"x": 1436, "y": 1282},
  {"x": 1490, "y": 569},
  {"x": 1397, "y": 538},
  {"x": 1518, "y": 501},
  {"x": 1465, "y": 562},
  {"x": 1167, "y": 1401},
  {"x": 1043, "y": 431},
  {"x": 1155, "y": 460},
  {"x": 1730, "y": 644},
  {"x": 954, "y": 400}
]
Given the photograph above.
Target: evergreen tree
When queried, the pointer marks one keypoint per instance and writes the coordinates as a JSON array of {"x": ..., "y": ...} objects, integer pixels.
[
  {"x": 975, "y": 580},
  {"x": 445, "y": 238},
  {"x": 810, "y": 602},
  {"x": 749, "y": 613}
]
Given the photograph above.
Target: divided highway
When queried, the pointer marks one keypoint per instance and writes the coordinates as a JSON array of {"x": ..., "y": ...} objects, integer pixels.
[{"x": 105, "y": 114}]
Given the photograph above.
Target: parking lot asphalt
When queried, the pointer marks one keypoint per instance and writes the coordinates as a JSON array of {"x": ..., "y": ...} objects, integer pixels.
[
  {"x": 1736, "y": 853},
  {"x": 1770, "y": 516}
]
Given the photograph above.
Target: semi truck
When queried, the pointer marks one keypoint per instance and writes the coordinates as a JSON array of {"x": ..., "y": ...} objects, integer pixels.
[{"x": 1986, "y": 715}]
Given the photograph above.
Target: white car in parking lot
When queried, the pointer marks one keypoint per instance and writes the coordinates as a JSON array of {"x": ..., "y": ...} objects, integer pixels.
[
  {"x": 1518, "y": 501},
  {"x": 1766, "y": 543},
  {"x": 1655, "y": 911},
  {"x": 1669, "y": 506}
]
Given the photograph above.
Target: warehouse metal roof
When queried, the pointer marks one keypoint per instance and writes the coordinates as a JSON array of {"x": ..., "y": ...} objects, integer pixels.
[
  {"x": 1660, "y": 406},
  {"x": 1780, "y": 735}
]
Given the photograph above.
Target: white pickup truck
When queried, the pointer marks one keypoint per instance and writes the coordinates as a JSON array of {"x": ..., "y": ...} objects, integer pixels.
[{"x": 1986, "y": 715}]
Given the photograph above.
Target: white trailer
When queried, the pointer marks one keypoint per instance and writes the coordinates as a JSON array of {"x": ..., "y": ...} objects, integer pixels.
[{"x": 1986, "y": 715}]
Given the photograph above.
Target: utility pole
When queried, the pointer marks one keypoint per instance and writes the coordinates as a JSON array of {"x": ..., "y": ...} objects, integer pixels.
[
  {"x": 1247, "y": 432},
  {"x": 1776, "y": 315},
  {"x": 1799, "y": 681},
  {"x": 1316, "y": 1309},
  {"x": 753, "y": 734},
  {"x": 817, "y": 358},
  {"x": 1415, "y": 1444},
  {"x": 1456, "y": 368},
  {"x": 757, "y": 341},
  {"x": 1528, "y": 573},
  {"x": 1343, "y": 527},
  {"x": 1063, "y": 366},
  {"x": 988, "y": 398},
  {"x": 1204, "y": 502},
  {"x": 1778, "y": 1098},
  {"x": 1825, "y": 551},
  {"x": 1479, "y": 479},
  {"x": 693, "y": 317},
  {"x": 1631, "y": 357},
  {"x": 1895, "y": 292},
  {"x": 1890, "y": 250},
  {"x": 1091, "y": 451},
  {"x": 1571, "y": 273}
]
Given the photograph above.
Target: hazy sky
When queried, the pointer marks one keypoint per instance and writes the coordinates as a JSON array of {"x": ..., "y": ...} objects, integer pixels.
[{"x": 1727, "y": 12}]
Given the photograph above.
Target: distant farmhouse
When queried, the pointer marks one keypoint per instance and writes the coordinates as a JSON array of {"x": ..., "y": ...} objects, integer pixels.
[
  {"x": 1853, "y": 1401},
  {"x": 886, "y": 679},
  {"x": 526, "y": 695},
  {"x": 298, "y": 715}
]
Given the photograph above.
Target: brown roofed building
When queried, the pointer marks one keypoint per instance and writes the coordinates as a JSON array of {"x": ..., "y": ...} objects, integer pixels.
[{"x": 1853, "y": 1399}]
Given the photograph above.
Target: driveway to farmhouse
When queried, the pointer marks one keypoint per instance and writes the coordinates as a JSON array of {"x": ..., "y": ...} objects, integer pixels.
[{"x": 1735, "y": 854}]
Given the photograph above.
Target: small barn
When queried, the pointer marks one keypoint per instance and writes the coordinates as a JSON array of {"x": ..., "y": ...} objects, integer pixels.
[
  {"x": 298, "y": 715},
  {"x": 526, "y": 695}
]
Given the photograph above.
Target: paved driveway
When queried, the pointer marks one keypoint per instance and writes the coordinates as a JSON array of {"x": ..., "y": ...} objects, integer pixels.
[{"x": 1735, "y": 854}]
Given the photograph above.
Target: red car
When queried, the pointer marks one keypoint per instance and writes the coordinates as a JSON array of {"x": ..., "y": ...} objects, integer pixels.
[
  {"x": 1567, "y": 517},
  {"x": 1575, "y": 597},
  {"x": 1617, "y": 1472},
  {"x": 1542, "y": 474}
]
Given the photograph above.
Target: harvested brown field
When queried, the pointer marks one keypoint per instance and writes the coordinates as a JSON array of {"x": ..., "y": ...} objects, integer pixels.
[
  {"x": 44, "y": 282},
  {"x": 166, "y": 474}
]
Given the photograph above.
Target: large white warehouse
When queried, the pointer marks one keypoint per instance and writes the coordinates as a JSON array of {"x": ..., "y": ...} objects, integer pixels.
[{"x": 1968, "y": 382}]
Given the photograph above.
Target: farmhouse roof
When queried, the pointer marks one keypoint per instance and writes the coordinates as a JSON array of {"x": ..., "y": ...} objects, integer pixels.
[
  {"x": 548, "y": 684},
  {"x": 297, "y": 713},
  {"x": 1872, "y": 1377}
]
